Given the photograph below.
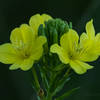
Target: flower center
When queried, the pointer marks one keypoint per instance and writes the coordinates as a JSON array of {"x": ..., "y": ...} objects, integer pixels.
[
  {"x": 74, "y": 54},
  {"x": 23, "y": 51}
]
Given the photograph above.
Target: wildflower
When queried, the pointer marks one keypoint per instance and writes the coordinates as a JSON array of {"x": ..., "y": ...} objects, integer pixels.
[
  {"x": 74, "y": 53},
  {"x": 24, "y": 48},
  {"x": 90, "y": 40}
]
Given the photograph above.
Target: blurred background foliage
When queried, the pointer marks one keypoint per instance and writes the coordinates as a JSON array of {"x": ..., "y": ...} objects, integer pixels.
[{"x": 15, "y": 85}]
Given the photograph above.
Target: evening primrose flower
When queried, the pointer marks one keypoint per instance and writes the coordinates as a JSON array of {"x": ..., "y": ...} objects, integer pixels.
[
  {"x": 74, "y": 53},
  {"x": 89, "y": 39},
  {"x": 24, "y": 48}
]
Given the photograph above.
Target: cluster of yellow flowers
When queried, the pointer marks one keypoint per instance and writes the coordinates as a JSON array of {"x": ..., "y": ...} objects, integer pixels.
[{"x": 26, "y": 46}]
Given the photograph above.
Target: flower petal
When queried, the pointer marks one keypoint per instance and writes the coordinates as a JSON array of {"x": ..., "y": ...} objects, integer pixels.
[
  {"x": 7, "y": 54},
  {"x": 27, "y": 33},
  {"x": 88, "y": 56},
  {"x": 97, "y": 48},
  {"x": 80, "y": 67},
  {"x": 84, "y": 40},
  {"x": 35, "y": 21},
  {"x": 69, "y": 40},
  {"x": 26, "y": 64},
  {"x": 90, "y": 29},
  {"x": 16, "y": 37},
  {"x": 37, "y": 53},
  {"x": 38, "y": 19},
  {"x": 88, "y": 49},
  {"x": 55, "y": 48},
  {"x": 37, "y": 49},
  {"x": 14, "y": 66},
  {"x": 40, "y": 41},
  {"x": 46, "y": 17},
  {"x": 22, "y": 36},
  {"x": 98, "y": 37}
]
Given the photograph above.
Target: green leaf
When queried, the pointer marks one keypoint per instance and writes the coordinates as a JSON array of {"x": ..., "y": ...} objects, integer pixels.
[
  {"x": 53, "y": 79},
  {"x": 33, "y": 86},
  {"x": 60, "y": 86},
  {"x": 36, "y": 82},
  {"x": 65, "y": 78},
  {"x": 58, "y": 80},
  {"x": 44, "y": 79},
  {"x": 65, "y": 95},
  {"x": 59, "y": 67},
  {"x": 38, "y": 98}
]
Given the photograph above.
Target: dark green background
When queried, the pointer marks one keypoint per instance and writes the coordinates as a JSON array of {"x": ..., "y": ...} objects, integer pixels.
[{"x": 15, "y": 85}]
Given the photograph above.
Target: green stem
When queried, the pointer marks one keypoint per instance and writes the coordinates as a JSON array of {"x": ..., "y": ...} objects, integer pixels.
[
  {"x": 36, "y": 79},
  {"x": 68, "y": 71},
  {"x": 49, "y": 97},
  {"x": 38, "y": 98}
]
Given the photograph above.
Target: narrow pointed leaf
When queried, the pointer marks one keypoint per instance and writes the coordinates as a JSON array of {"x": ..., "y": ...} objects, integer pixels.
[
  {"x": 59, "y": 67},
  {"x": 44, "y": 79},
  {"x": 65, "y": 95},
  {"x": 60, "y": 86}
]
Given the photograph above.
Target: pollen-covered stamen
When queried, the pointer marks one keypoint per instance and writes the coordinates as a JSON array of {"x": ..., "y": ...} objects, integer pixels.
[{"x": 74, "y": 51}]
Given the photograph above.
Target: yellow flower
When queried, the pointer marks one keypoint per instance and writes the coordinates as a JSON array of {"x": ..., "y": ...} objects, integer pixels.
[
  {"x": 74, "y": 53},
  {"x": 38, "y": 19},
  {"x": 89, "y": 39},
  {"x": 24, "y": 48}
]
